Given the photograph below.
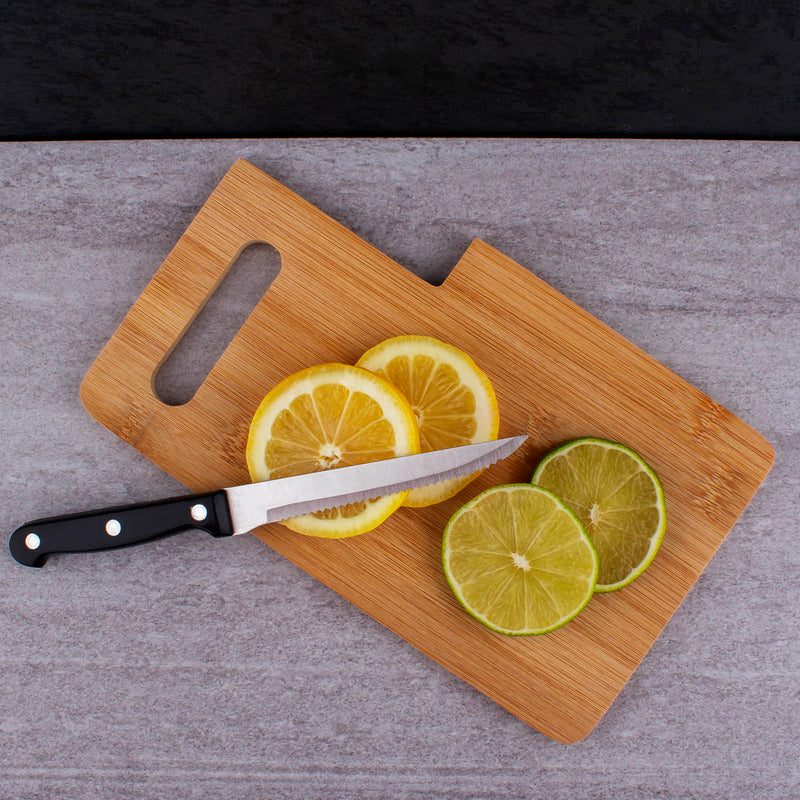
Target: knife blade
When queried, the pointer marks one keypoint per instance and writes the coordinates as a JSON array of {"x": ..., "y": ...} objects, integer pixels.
[{"x": 239, "y": 509}]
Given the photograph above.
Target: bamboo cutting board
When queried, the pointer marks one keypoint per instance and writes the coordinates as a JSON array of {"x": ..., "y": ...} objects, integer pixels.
[{"x": 558, "y": 372}]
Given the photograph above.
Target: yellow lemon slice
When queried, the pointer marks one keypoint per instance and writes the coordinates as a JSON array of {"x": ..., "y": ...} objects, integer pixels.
[
  {"x": 329, "y": 416},
  {"x": 451, "y": 397}
]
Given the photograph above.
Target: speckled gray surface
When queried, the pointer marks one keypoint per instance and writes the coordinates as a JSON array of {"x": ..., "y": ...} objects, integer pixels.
[{"x": 198, "y": 668}]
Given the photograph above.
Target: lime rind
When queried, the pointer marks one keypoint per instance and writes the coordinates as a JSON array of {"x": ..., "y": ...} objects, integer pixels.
[
  {"x": 482, "y": 618},
  {"x": 658, "y": 536}
]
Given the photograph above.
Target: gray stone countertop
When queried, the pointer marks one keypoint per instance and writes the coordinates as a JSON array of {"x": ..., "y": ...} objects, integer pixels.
[{"x": 194, "y": 668}]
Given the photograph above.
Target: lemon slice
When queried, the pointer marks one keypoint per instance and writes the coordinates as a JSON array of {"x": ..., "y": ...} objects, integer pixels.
[
  {"x": 329, "y": 416},
  {"x": 519, "y": 560},
  {"x": 619, "y": 500},
  {"x": 451, "y": 397}
]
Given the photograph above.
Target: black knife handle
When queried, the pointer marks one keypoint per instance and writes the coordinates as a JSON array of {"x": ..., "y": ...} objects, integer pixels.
[{"x": 120, "y": 526}]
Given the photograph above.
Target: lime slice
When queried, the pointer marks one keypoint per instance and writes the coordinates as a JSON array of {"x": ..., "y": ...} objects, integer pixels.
[
  {"x": 519, "y": 560},
  {"x": 619, "y": 500}
]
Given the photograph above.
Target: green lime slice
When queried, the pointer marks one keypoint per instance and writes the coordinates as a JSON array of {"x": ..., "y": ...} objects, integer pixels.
[
  {"x": 617, "y": 497},
  {"x": 519, "y": 560}
]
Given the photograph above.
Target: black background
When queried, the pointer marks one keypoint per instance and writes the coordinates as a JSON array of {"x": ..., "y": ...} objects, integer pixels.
[{"x": 76, "y": 70}]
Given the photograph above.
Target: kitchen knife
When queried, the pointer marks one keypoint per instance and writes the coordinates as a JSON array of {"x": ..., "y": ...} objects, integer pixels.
[{"x": 239, "y": 509}]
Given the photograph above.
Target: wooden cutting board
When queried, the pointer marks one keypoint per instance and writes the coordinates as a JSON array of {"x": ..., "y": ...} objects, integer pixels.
[{"x": 559, "y": 373}]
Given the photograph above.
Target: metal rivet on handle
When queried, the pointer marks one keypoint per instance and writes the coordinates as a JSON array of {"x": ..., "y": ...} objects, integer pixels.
[
  {"x": 32, "y": 541},
  {"x": 199, "y": 512},
  {"x": 113, "y": 527}
]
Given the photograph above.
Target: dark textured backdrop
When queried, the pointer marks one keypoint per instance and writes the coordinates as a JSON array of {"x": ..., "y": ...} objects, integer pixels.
[{"x": 184, "y": 68}]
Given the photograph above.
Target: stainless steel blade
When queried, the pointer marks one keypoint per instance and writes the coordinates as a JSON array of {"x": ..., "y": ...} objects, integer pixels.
[{"x": 255, "y": 504}]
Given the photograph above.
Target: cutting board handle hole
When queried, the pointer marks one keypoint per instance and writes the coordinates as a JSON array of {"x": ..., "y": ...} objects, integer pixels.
[{"x": 212, "y": 330}]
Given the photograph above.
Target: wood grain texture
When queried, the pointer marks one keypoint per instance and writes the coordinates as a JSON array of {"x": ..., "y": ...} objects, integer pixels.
[{"x": 558, "y": 373}]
